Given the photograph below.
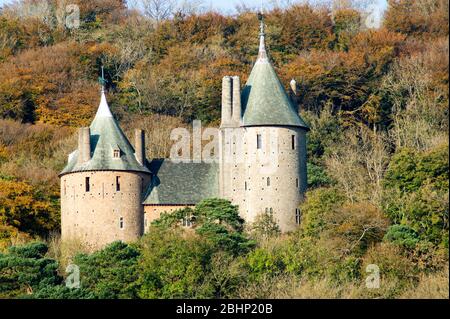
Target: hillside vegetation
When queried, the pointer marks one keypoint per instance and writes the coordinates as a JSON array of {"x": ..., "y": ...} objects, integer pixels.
[{"x": 376, "y": 101}]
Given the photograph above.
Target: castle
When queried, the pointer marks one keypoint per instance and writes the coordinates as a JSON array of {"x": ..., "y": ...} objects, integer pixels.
[{"x": 110, "y": 191}]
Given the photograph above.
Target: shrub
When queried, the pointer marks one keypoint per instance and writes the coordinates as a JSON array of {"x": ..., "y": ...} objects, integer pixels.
[
  {"x": 402, "y": 235},
  {"x": 416, "y": 192},
  {"x": 111, "y": 272},
  {"x": 24, "y": 270},
  {"x": 174, "y": 266}
]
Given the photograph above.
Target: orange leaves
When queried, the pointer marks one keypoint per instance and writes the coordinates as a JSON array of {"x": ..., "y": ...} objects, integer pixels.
[
  {"x": 49, "y": 85},
  {"x": 418, "y": 18}
]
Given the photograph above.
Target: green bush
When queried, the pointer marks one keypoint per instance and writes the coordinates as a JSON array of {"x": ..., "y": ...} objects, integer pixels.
[
  {"x": 317, "y": 176},
  {"x": 402, "y": 235},
  {"x": 174, "y": 266},
  {"x": 318, "y": 203},
  {"x": 111, "y": 272},
  {"x": 416, "y": 192},
  {"x": 24, "y": 270}
]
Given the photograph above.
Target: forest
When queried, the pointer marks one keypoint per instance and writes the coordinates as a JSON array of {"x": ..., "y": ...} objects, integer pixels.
[{"x": 376, "y": 101}]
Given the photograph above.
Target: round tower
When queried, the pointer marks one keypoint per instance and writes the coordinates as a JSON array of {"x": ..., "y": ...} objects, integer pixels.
[
  {"x": 270, "y": 175},
  {"x": 103, "y": 184}
]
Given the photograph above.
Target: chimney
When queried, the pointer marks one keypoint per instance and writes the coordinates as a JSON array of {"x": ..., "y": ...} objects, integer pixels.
[
  {"x": 84, "y": 145},
  {"x": 139, "y": 146},
  {"x": 237, "y": 107},
  {"x": 293, "y": 94},
  {"x": 226, "y": 100}
]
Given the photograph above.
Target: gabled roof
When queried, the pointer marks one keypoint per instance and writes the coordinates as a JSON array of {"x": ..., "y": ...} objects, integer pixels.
[
  {"x": 106, "y": 135},
  {"x": 182, "y": 183},
  {"x": 264, "y": 98}
]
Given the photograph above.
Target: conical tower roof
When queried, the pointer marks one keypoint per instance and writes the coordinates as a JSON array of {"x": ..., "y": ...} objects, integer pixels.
[
  {"x": 264, "y": 98},
  {"x": 105, "y": 137}
]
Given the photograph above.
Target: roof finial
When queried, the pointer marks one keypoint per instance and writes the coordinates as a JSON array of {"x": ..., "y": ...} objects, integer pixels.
[
  {"x": 102, "y": 80},
  {"x": 262, "y": 55}
]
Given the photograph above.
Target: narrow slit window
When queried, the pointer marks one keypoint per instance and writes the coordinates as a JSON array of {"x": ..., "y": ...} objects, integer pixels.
[
  {"x": 268, "y": 181},
  {"x": 297, "y": 216},
  {"x": 117, "y": 183},
  {"x": 88, "y": 184},
  {"x": 258, "y": 141},
  {"x": 246, "y": 186},
  {"x": 293, "y": 142},
  {"x": 65, "y": 187},
  {"x": 121, "y": 224},
  {"x": 296, "y": 183}
]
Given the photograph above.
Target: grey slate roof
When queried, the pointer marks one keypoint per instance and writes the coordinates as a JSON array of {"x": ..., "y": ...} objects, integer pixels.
[
  {"x": 105, "y": 136},
  {"x": 264, "y": 98},
  {"x": 182, "y": 183}
]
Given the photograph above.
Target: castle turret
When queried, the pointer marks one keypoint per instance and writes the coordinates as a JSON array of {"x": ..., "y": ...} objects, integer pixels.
[
  {"x": 103, "y": 184},
  {"x": 272, "y": 175}
]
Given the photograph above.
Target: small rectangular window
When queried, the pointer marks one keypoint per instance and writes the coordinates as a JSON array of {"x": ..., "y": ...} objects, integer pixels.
[
  {"x": 121, "y": 225},
  {"x": 268, "y": 181},
  {"x": 293, "y": 142},
  {"x": 297, "y": 216},
  {"x": 187, "y": 220},
  {"x": 116, "y": 153},
  {"x": 88, "y": 185},
  {"x": 245, "y": 185},
  {"x": 117, "y": 183},
  {"x": 258, "y": 141}
]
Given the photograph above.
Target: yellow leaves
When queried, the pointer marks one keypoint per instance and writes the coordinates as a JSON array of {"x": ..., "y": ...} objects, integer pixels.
[
  {"x": 4, "y": 153},
  {"x": 22, "y": 207}
]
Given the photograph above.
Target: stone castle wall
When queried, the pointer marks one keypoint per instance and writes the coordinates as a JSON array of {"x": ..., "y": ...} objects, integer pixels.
[
  {"x": 270, "y": 179},
  {"x": 153, "y": 212},
  {"x": 103, "y": 214}
]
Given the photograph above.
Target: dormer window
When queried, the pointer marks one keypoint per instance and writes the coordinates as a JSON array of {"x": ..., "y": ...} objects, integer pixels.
[{"x": 116, "y": 153}]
